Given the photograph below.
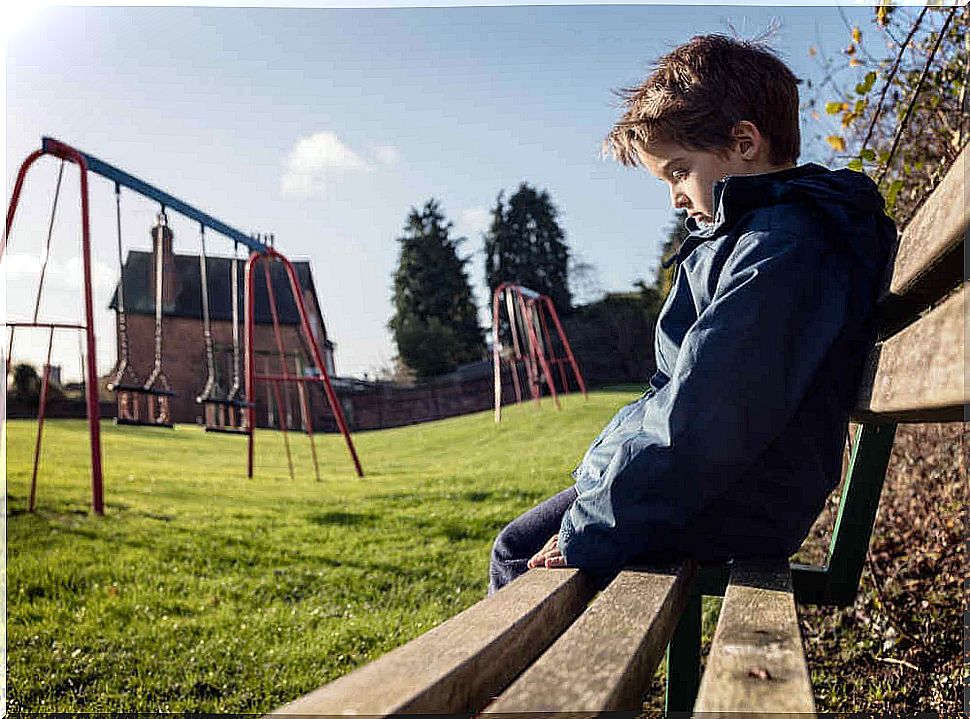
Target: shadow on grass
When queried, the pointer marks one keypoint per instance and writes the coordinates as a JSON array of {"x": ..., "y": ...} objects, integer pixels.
[{"x": 341, "y": 519}]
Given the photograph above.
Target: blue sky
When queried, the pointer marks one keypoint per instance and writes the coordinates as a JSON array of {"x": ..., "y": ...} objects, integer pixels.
[{"x": 325, "y": 126}]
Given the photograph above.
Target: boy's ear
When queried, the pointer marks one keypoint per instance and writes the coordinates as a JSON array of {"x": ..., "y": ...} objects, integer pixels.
[{"x": 748, "y": 139}]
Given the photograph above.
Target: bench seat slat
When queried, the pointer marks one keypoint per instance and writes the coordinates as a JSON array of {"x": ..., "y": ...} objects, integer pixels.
[
  {"x": 917, "y": 375},
  {"x": 935, "y": 231},
  {"x": 757, "y": 661},
  {"x": 459, "y": 664},
  {"x": 606, "y": 660}
]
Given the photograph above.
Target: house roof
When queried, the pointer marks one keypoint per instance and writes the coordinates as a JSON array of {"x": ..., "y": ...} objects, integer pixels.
[{"x": 139, "y": 298}]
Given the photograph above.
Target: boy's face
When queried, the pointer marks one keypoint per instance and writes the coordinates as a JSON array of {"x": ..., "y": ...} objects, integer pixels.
[{"x": 691, "y": 174}]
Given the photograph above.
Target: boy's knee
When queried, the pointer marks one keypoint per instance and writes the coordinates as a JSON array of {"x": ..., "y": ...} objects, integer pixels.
[{"x": 502, "y": 546}]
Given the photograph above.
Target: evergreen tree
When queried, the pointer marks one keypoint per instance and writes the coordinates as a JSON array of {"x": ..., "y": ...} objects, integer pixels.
[
  {"x": 676, "y": 234},
  {"x": 435, "y": 323},
  {"x": 26, "y": 384},
  {"x": 526, "y": 245}
]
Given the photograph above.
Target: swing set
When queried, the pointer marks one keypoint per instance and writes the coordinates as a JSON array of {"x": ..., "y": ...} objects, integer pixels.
[
  {"x": 148, "y": 402},
  {"x": 124, "y": 382},
  {"x": 532, "y": 345}
]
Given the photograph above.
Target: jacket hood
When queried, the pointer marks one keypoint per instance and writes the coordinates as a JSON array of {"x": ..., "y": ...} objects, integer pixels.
[{"x": 841, "y": 198}]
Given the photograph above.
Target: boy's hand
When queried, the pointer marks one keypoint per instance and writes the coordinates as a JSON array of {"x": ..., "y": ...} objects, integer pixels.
[{"x": 549, "y": 556}]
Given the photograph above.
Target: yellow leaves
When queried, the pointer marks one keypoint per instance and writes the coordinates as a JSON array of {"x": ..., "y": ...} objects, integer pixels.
[
  {"x": 856, "y": 35},
  {"x": 882, "y": 14},
  {"x": 837, "y": 142},
  {"x": 866, "y": 85},
  {"x": 812, "y": 51},
  {"x": 834, "y": 108},
  {"x": 850, "y": 116},
  {"x": 851, "y": 52}
]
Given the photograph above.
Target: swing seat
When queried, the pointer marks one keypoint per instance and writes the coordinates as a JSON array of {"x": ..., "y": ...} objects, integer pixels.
[
  {"x": 228, "y": 430},
  {"x": 221, "y": 402},
  {"x": 141, "y": 389},
  {"x": 211, "y": 425}
]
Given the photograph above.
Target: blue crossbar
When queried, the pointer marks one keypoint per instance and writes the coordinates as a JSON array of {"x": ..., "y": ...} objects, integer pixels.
[{"x": 166, "y": 200}]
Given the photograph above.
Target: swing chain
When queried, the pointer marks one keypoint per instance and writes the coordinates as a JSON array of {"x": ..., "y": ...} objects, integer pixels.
[
  {"x": 210, "y": 385},
  {"x": 163, "y": 415},
  {"x": 124, "y": 350},
  {"x": 234, "y": 291}
]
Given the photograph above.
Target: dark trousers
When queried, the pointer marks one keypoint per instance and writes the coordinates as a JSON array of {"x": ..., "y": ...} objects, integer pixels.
[{"x": 524, "y": 536}]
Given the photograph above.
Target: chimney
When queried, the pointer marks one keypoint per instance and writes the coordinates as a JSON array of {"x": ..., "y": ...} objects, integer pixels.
[{"x": 162, "y": 243}]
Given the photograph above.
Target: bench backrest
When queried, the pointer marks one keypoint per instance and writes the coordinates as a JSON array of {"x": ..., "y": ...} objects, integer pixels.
[{"x": 915, "y": 373}]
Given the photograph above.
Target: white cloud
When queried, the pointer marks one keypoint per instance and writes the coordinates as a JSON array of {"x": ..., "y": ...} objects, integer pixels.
[
  {"x": 387, "y": 155},
  {"x": 21, "y": 273},
  {"x": 20, "y": 264},
  {"x": 311, "y": 162},
  {"x": 473, "y": 221}
]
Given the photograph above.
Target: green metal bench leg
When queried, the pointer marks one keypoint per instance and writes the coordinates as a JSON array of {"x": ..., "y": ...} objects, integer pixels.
[{"x": 683, "y": 659}]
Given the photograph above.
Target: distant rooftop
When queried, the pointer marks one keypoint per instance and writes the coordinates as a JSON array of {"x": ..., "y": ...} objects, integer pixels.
[{"x": 139, "y": 298}]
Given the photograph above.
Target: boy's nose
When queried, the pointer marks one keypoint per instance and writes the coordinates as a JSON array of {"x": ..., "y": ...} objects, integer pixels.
[{"x": 679, "y": 200}]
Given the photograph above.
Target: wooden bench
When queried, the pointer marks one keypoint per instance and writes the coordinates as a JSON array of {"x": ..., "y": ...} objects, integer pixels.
[{"x": 546, "y": 644}]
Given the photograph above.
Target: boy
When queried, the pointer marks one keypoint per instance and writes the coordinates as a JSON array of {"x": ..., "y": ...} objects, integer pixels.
[{"x": 737, "y": 442}]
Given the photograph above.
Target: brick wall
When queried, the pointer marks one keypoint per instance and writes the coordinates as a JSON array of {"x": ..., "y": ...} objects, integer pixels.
[{"x": 390, "y": 406}]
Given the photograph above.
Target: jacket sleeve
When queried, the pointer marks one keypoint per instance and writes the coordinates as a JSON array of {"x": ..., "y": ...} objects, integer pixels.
[{"x": 743, "y": 368}]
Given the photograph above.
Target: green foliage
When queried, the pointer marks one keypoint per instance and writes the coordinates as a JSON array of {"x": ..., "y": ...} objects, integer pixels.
[
  {"x": 26, "y": 383},
  {"x": 526, "y": 245},
  {"x": 676, "y": 234},
  {"x": 428, "y": 347},
  {"x": 623, "y": 323},
  {"x": 435, "y": 323},
  {"x": 865, "y": 86},
  {"x": 902, "y": 117}
]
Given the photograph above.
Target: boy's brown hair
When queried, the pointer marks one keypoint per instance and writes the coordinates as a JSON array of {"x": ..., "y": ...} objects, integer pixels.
[{"x": 700, "y": 90}]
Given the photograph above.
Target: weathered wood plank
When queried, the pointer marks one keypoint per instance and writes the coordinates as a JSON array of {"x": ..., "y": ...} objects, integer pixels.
[
  {"x": 918, "y": 374},
  {"x": 606, "y": 660},
  {"x": 757, "y": 662},
  {"x": 935, "y": 230},
  {"x": 459, "y": 664}
]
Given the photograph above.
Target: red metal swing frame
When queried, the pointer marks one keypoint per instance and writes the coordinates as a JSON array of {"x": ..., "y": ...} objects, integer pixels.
[
  {"x": 67, "y": 153},
  {"x": 532, "y": 307},
  {"x": 271, "y": 255}
]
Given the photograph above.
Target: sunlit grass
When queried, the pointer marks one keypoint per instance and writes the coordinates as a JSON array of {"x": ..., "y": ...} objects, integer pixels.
[{"x": 202, "y": 590}]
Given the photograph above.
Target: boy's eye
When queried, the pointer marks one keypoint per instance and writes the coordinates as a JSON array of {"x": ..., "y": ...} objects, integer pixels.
[{"x": 679, "y": 174}]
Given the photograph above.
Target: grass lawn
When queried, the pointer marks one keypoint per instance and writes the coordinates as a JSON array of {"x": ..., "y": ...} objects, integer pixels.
[
  {"x": 204, "y": 591},
  {"x": 201, "y": 590}
]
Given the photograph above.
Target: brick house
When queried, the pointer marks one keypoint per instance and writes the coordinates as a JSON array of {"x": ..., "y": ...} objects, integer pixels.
[{"x": 183, "y": 342}]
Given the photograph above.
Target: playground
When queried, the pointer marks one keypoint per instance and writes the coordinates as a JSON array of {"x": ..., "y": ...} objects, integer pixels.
[
  {"x": 204, "y": 581},
  {"x": 234, "y": 515},
  {"x": 202, "y": 590}
]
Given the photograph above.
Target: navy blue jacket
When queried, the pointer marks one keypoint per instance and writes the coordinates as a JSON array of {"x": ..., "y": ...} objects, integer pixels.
[{"x": 760, "y": 344}]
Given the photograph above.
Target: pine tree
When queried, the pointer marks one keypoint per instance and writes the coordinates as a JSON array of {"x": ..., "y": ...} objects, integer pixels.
[
  {"x": 435, "y": 323},
  {"x": 526, "y": 245},
  {"x": 676, "y": 234}
]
